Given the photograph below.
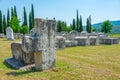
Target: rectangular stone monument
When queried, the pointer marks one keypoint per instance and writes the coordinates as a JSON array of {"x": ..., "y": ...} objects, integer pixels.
[
  {"x": 45, "y": 56},
  {"x": 82, "y": 40}
]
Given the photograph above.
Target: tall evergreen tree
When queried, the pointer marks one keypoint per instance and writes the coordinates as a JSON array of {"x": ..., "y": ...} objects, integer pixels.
[
  {"x": 15, "y": 12},
  {"x": 32, "y": 13},
  {"x": 30, "y": 21},
  {"x": 59, "y": 28},
  {"x": 8, "y": 17},
  {"x": 73, "y": 25},
  {"x": 77, "y": 21},
  {"x": 81, "y": 26},
  {"x": 1, "y": 26},
  {"x": 87, "y": 25},
  {"x": 25, "y": 17},
  {"x": 4, "y": 24},
  {"x": 90, "y": 24},
  {"x": 12, "y": 13}
]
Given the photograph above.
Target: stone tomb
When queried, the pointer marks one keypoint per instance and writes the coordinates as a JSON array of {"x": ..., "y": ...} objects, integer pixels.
[
  {"x": 110, "y": 41},
  {"x": 82, "y": 40},
  {"x": 60, "y": 42},
  {"x": 38, "y": 49},
  {"x": 9, "y": 33},
  {"x": 2, "y": 35},
  {"x": 94, "y": 38},
  {"x": 72, "y": 35}
]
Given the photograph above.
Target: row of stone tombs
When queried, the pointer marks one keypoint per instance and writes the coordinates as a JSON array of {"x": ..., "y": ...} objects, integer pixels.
[{"x": 65, "y": 39}]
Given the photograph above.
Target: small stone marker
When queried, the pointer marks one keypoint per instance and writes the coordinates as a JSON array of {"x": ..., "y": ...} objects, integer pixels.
[{"x": 9, "y": 33}]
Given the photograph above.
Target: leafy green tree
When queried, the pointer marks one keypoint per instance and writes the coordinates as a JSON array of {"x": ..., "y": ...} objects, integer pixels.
[
  {"x": 4, "y": 24},
  {"x": 25, "y": 17},
  {"x": 81, "y": 26},
  {"x": 73, "y": 24},
  {"x": 8, "y": 18},
  {"x": 1, "y": 26},
  {"x": 64, "y": 26},
  {"x": 32, "y": 13},
  {"x": 70, "y": 28},
  {"x": 30, "y": 21},
  {"x": 106, "y": 26},
  {"x": 77, "y": 21},
  {"x": 24, "y": 29},
  {"x": 14, "y": 24},
  {"x": 94, "y": 29}
]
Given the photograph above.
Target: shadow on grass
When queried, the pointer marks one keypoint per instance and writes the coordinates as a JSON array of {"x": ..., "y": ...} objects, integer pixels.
[{"x": 20, "y": 73}]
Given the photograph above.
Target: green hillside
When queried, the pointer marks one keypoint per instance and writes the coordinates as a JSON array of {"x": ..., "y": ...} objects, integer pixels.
[{"x": 116, "y": 26}]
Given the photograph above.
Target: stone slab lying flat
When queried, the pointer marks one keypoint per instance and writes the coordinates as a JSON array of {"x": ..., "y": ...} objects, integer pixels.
[{"x": 18, "y": 65}]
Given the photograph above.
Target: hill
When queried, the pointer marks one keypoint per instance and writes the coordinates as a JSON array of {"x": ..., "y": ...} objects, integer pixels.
[{"x": 116, "y": 26}]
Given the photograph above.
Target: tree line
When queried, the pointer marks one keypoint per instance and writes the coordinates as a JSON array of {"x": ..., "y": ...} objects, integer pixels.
[
  {"x": 13, "y": 21},
  {"x": 77, "y": 25}
]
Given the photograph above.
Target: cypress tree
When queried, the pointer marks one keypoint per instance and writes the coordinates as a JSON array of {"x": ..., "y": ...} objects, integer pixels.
[
  {"x": 1, "y": 27},
  {"x": 12, "y": 13},
  {"x": 32, "y": 13},
  {"x": 30, "y": 21},
  {"x": 77, "y": 21},
  {"x": 4, "y": 24},
  {"x": 59, "y": 28},
  {"x": 81, "y": 26},
  {"x": 90, "y": 24},
  {"x": 73, "y": 25},
  {"x": 8, "y": 17},
  {"x": 25, "y": 17},
  {"x": 15, "y": 12},
  {"x": 87, "y": 25}
]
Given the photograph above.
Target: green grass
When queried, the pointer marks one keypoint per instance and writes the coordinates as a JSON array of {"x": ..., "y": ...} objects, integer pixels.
[
  {"x": 115, "y": 35},
  {"x": 75, "y": 63}
]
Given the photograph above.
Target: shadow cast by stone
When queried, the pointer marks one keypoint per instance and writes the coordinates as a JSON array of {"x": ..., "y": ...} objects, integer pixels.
[{"x": 20, "y": 73}]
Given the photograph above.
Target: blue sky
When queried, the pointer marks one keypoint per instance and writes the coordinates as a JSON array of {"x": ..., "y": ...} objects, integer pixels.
[{"x": 65, "y": 10}]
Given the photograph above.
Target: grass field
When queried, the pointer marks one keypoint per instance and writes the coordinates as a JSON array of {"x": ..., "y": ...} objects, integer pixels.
[
  {"x": 76, "y": 63},
  {"x": 115, "y": 35}
]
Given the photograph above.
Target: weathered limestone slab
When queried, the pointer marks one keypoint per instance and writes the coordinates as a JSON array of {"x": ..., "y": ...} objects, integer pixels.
[
  {"x": 94, "y": 40},
  {"x": 82, "y": 40},
  {"x": 45, "y": 31},
  {"x": 18, "y": 35},
  {"x": 84, "y": 33},
  {"x": 60, "y": 42},
  {"x": 72, "y": 35},
  {"x": 70, "y": 43},
  {"x": 18, "y": 64},
  {"x": 109, "y": 41},
  {"x": 9, "y": 33},
  {"x": 2, "y": 35},
  {"x": 20, "y": 55}
]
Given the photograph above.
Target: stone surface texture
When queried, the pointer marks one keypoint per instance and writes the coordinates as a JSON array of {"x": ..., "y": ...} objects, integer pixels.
[
  {"x": 9, "y": 33},
  {"x": 60, "y": 42}
]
